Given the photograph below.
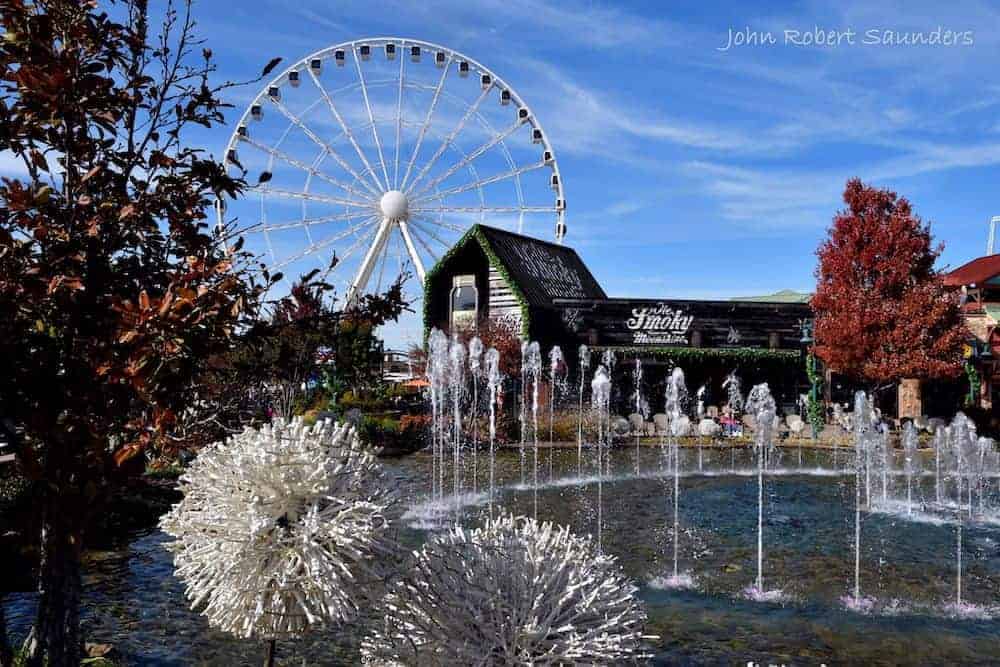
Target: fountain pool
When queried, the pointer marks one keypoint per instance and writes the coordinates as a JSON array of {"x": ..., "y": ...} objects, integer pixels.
[{"x": 907, "y": 565}]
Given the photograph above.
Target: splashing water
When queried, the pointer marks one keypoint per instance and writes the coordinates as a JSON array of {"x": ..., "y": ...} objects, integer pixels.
[
  {"x": 761, "y": 405},
  {"x": 911, "y": 464},
  {"x": 476, "y": 371},
  {"x": 556, "y": 367},
  {"x": 584, "y": 367},
  {"x": 866, "y": 436},
  {"x": 600, "y": 398},
  {"x": 639, "y": 407},
  {"x": 493, "y": 382},
  {"x": 533, "y": 362},
  {"x": 734, "y": 398},
  {"x": 456, "y": 386},
  {"x": 675, "y": 399},
  {"x": 437, "y": 377},
  {"x": 524, "y": 404}
]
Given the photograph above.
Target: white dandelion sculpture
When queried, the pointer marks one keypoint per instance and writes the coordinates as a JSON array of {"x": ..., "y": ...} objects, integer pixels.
[
  {"x": 278, "y": 528},
  {"x": 514, "y": 592}
]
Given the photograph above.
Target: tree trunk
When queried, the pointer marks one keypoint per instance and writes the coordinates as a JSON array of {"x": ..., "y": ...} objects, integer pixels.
[
  {"x": 269, "y": 652},
  {"x": 6, "y": 659},
  {"x": 54, "y": 640}
]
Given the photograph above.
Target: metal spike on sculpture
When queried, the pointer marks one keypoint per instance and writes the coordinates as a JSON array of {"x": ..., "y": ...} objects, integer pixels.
[
  {"x": 513, "y": 592},
  {"x": 278, "y": 527}
]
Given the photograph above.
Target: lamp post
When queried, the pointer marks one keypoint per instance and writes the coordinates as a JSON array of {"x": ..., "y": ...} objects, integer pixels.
[{"x": 806, "y": 341}]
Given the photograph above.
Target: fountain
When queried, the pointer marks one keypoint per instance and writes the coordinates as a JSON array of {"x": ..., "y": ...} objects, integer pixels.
[
  {"x": 476, "y": 371},
  {"x": 866, "y": 435},
  {"x": 600, "y": 396},
  {"x": 734, "y": 399},
  {"x": 493, "y": 380},
  {"x": 940, "y": 442},
  {"x": 639, "y": 408},
  {"x": 524, "y": 403},
  {"x": 674, "y": 404},
  {"x": 584, "y": 356},
  {"x": 555, "y": 368},
  {"x": 964, "y": 450},
  {"x": 608, "y": 360},
  {"x": 884, "y": 460},
  {"x": 437, "y": 376},
  {"x": 963, "y": 470},
  {"x": 456, "y": 385},
  {"x": 533, "y": 371},
  {"x": 761, "y": 405},
  {"x": 911, "y": 464}
]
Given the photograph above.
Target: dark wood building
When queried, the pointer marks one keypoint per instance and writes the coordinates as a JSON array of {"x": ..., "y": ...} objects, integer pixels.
[{"x": 548, "y": 294}]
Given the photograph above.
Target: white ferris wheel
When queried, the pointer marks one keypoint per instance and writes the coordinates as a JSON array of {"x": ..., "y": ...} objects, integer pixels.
[{"x": 372, "y": 157}]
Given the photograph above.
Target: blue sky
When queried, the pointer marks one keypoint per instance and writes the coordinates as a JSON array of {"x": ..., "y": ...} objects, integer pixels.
[{"x": 690, "y": 170}]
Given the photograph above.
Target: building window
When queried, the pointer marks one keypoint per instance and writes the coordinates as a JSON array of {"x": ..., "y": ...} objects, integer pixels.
[{"x": 464, "y": 303}]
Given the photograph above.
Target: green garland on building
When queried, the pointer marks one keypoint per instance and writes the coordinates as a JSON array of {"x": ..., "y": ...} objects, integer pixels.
[
  {"x": 681, "y": 355},
  {"x": 476, "y": 233}
]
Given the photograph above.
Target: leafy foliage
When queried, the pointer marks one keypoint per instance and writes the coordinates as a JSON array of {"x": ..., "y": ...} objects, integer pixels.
[
  {"x": 300, "y": 352},
  {"x": 882, "y": 311},
  {"x": 116, "y": 293}
]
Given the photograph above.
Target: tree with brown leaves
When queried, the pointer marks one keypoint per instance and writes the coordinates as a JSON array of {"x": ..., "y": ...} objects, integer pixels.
[{"x": 115, "y": 291}]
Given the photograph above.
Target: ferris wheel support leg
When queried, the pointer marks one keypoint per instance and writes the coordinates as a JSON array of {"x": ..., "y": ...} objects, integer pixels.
[
  {"x": 368, "y": 264},
  {"x": 404, "y": 230}
]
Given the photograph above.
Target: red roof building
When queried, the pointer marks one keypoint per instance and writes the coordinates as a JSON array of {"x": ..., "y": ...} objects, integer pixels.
[{"x": 979, "y": 282}]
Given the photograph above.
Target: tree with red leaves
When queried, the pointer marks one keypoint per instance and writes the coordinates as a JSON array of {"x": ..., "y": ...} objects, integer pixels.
[{"x": 882, "y": 311}]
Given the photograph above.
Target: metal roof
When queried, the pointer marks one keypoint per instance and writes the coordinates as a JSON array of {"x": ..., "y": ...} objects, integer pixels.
[
  {"x": 784, "y": 296},
  {"x": 542, "y": 270},
  {"x": 976, "y": 272}
]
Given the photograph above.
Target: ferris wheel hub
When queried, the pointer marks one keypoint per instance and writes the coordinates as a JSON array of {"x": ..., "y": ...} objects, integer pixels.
[{"x": 393, "y": 205}]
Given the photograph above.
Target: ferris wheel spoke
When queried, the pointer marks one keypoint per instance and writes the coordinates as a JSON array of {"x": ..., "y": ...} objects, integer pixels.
[
  {"x": 448, "y": 139},
  {"x": 304, "y": 223},
  {"x": 427, "y": 122},
  {"x": 450, "y": 226},
  {"x": 353, "y": 248},
  {"x": 371, "y": 116},
  {"x": 438, "y": 196},
  {"x": 327, "y": 242},
  {"x": 310, "y": 196},
  {"x": 381, "y": 268},
  {"x": 347, "y": 132},
  {"x": 469, "y": 158},
  {"x": 422, "y": 225},
  {"x": 399, "y": 122},
  {"x": 318, "y": 141},
  {"x": 285, "y": 157},
  {"x": 484, "y": 209},
  {"x": 423, "y": 244}
]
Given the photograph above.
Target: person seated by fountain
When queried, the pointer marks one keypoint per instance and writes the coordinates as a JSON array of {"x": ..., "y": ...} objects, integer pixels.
[{"x": 730, "y": 424}]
